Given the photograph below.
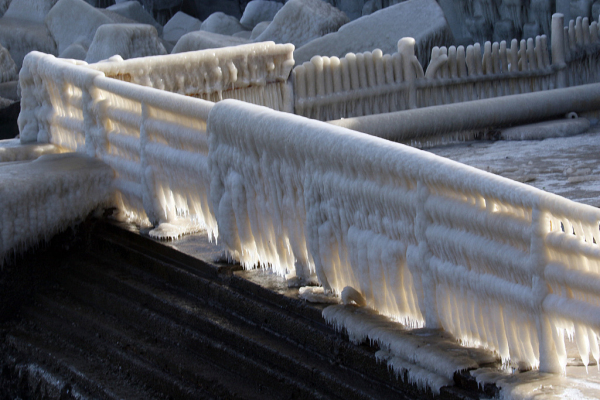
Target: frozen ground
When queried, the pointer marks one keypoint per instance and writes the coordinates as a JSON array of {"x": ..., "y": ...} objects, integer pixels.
[{"x": 564, "y": 166}]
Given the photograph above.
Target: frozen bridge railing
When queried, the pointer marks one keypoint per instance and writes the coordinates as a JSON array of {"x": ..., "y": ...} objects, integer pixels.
[
  {"x": 330, "y": 88},
  {"x": 424, "y": 239}
]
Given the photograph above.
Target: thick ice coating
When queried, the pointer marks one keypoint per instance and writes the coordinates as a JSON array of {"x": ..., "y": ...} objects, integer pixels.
[{"x": 423, "y": 239}]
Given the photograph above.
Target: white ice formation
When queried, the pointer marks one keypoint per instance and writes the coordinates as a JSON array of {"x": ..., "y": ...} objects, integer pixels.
[
  {"x": 42, "y": 197},
  {"x": 422, "y": 20},
  {"x": 202, "y": 40},
  {"x": 179, "y": 25},
  {"x": 258, "y": 11},
  {"x": 222, "y": 24},
  {"x": 301, "y": 21},
  {"x": 134, "y": 11},
  {"x": 424, "y": 239},
  {"x": 125, "y": 40}
]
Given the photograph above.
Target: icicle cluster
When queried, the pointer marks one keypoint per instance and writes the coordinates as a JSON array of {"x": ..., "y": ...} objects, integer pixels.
[
  {"x": 256, "y": 73},
  {"x": 582, "y": 48},
  {"x": 422, "y": 238}
]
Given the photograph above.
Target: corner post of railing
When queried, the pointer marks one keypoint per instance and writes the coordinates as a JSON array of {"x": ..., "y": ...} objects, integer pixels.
[
  {"x": 411, "y": 68},
  {"x": 558, "y": 50},
  {"x": 429, "y": 306},
  {"x": 540, "y": 223}
]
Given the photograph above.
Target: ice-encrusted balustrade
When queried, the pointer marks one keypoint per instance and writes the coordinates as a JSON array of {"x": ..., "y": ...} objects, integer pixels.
[
  {"x": 424, "y": 239},
  {"x": 330, "y": 88}
]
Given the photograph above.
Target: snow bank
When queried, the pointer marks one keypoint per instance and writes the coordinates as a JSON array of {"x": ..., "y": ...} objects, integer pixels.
[
  {"x": 422, "y": 238},
  {"x": 301, "y": 21},
  {"x": 43, "y": 197},
  {"x": 179, "y": 25},
  {"x": 125, "y": 40},
  {"x": 222, "y": 24},
  {"x": 202, "y": 40},
  {"x": 258, "y": 11},
  {"x": 422, "y": 20},
  {"x": 134, "y": 11}
]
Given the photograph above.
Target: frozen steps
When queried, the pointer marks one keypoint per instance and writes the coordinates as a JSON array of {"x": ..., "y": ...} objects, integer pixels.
[{"x": 125, "y": 317}]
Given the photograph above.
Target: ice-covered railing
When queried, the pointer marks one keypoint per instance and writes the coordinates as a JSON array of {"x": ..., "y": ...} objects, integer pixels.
[
  {"x": 139, "y": 131},
  {"x": 328, "y": 88},
  {"x": 424, "y": 239},
  {"x": 256, "y": 73}
]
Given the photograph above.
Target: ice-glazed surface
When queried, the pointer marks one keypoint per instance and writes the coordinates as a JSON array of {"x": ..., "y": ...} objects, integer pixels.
[
  {"x": 134, "y": 11},
  {"x": 179, "y": 25},
  {"x": 8, "y": 69},
  {"x": 258, "y": 11},
  {"x": 203, "y": 40},
  {"x": 422, "y": 20},
  {"x": 40, "y": 198},
  {"x": 13, "y": 150},
  {"x": 221, "y": 23},
  {"x": 125, "y": 40},
  {"x": 564, "y": 166},
  {"x": 301, "y": 21},
  {"x": 423, "y": 239},
  {"x": 259, "y": 28},
  {"x": 20, "y": 37},
  {"x": 30, "y": 10},
  {"x": 72, "y": 21}
]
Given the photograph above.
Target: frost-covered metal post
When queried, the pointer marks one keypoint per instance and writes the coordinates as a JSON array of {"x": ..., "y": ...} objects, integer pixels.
[
  {"x": 558, "y": 50},
  {"x": 411, "y": 68}
]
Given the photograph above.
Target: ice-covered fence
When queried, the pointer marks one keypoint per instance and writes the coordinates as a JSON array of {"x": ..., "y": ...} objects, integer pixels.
[
  {"x": 328, "y": 88},
  {"x": 151, "y": 138},
  {"x": 256, "y": 73},
  {"x": 423, "y": 238}
]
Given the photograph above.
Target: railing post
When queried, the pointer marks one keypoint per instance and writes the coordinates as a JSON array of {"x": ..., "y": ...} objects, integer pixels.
[
  {"x": 558, "y": 50},
  {"x": 411, "y": 68},
  {"x": 549, "y": 361}
]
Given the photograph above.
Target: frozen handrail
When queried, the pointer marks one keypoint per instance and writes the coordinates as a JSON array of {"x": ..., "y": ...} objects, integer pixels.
[
  {"x": 423, "y": 238},
  {"x": 373, "y": 82}
]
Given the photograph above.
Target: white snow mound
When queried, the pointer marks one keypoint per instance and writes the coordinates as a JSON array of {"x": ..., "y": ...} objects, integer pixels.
[
  {"x": 222, "y": 24},
  {"x": 258, "y": 11},
  {"x": 421, "y": 19},
  {"x": 179, "y": 25},
  {"x": 301, "y": 21},
  {"x": 126, "y": 40}
]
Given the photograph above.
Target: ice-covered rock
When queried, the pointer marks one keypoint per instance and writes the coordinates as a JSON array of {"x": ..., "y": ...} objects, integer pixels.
[
  {"x": 72, "y": 21},
  {"x": 30, "y": 10},
  {"x": 581, "y": 8},
  {"x": 222, "y": 24},
  {"x": 258, "y": 29},
  {"x": 201, "y": 40},
  {"x": 596, "y": 10},
  {"x": 421, "y": 19},
  {"x": 126, "y": 40},
  {"x": 4, "y": 6},
  {"x": 352, "y": 8},
  {"x": 21, "y": 36},
  {"x": 202, "y": 9},
  {"x": 179, "y": 25},
  {"x": 134, "y": 11},
  {"x": 8, "y": 69},
  {"x": 258, "y": 11},
  {"x": 76, "y": 51},
  {"x": 301, "y": 21},
  {"x": 243, "y": 34}
]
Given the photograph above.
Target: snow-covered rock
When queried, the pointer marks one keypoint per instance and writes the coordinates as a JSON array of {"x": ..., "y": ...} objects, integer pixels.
[
  {"x": 222, "y": 24},
  {"x": 8, "y": 69},
  {"x": 30, "y": 10},
  {"x": 134, "y": 11},
  {"x": 301, "y": 21},
  {"x": 421, "y": 19},
  {"x": 126, "y": 40},
  {"x": 201, "y": 40},
  {"x": 72, "y": 21},
  {"x": 179, "y": 25},
  {"x": 258, "y": 29},
  {"x": 21, "y": 36},
  {"x": 258, "y": 11}
]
